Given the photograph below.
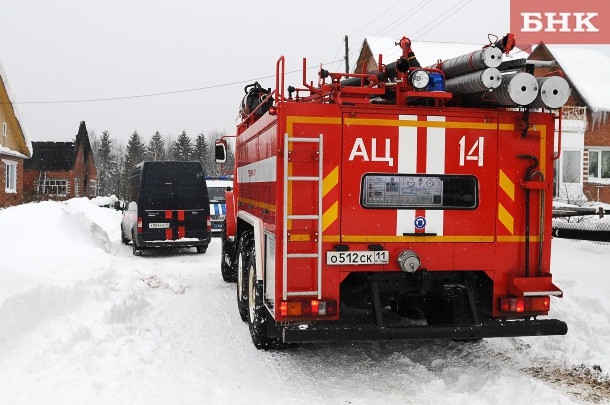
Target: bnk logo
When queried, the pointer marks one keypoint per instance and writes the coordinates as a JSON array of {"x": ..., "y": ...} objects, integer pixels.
[{"x": 560, "y": 21}]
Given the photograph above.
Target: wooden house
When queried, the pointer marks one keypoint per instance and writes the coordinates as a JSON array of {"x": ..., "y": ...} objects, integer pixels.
[
  {"x": 61, "y": 170},
  {"x": 15, "y": 146}
]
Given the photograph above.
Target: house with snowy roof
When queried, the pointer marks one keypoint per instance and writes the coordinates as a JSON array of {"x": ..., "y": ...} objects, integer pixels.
[
  {"x": 584, "y": 164},
  {"x": 61, "y": 170},
  {"x": 15, "y": 145}
]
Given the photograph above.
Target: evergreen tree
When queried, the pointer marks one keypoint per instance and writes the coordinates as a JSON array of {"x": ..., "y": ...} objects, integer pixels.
[
  {"x": 183, "y": 149},
  {"x": 156, "y": 148},
  {"x": 135, "y": 152},
  {"x": 106, "y": 162},
  {"x": 201, "y": 153}
]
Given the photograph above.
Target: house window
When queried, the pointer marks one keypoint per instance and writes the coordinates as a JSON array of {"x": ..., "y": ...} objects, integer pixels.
[
  {"x": 571, "y": 167},
  {"x": 77, "y": 187},
  {"x": 10, "y": 177},
  {"x": 599, "y": 164},
  {"x": 93, "y": 187},
  {"x": 56, "y": 188},
  {"x": 4, "y": 128}
]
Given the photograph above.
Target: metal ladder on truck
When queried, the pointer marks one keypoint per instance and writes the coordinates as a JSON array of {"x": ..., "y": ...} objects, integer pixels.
[{"x": 317, "y": 217}]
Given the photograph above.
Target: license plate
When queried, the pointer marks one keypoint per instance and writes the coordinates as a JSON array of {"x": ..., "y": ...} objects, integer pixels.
[
  {"x": 158, "y": 225},
  {"x": 357, "y": 257}
]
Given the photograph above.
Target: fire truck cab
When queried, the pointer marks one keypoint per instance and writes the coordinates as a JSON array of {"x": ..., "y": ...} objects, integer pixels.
[{"x": 374, "y": 209}]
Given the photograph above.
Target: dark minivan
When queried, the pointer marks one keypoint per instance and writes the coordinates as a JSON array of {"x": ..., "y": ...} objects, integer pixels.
[{"x": 167, "y": 206}]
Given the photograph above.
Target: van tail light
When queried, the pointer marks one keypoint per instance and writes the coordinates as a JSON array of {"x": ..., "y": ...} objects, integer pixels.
[
  {"x": 140, "y": 225},
  {"x": 308, "y": 308},
  {"x": 527, "y": 304},
  {"x": 209, "y": 224}
]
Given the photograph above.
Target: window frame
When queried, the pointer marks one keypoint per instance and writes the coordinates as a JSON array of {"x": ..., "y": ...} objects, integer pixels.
[
  {"x": 57, "y": 186},
  {"x": 599, "y": 151},
  {"x": 565, "y": 153},
  {"x": 13, "y": 180},
  {"x": 5, "y": 129}
]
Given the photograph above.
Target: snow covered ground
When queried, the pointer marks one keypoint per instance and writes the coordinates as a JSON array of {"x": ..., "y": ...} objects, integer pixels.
[{"x": 84, "y": 321}]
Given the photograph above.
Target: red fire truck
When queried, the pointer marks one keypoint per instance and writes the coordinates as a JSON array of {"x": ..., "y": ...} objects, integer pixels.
[{"x": 383, "y": 206}]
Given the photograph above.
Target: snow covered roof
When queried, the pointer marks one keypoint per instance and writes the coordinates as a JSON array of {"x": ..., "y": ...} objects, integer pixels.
[
  {"x": 54, "y": 156},
  {"x": 16, "y": 109},
  {"x": 587, "y": 70},
  {"x": 427, "y": 53}
]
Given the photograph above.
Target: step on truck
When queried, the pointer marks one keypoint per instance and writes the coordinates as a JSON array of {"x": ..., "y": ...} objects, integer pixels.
[{"x": 405, "y": 203}]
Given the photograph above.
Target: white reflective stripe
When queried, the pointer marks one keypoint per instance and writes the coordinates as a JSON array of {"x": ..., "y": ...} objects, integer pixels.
[
  {"x": 435, "y": 151},
  {"x": 258, "y": 172},
  {"x": 407, "y": 163},
  {"x": 435, "y": 164}
]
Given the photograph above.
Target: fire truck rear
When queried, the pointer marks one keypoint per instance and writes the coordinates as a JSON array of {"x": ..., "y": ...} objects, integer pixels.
[{"x": 412, "y": 202}]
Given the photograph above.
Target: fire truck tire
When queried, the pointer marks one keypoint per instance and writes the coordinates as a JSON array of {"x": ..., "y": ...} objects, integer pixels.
[
  {"x": 258, "y": 316},
  {"x": 227, "y": 269},
  {"x": 246, "y": 245},
  {"x": 202, "y": 249}
]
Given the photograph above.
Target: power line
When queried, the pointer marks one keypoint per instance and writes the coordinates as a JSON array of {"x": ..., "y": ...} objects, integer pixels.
[
  {"x": 375, "y": 19},
  {"x": 404, "y": 17},
  {"x": 441, "y": 21},
  {"x": 165, "y": 93}
]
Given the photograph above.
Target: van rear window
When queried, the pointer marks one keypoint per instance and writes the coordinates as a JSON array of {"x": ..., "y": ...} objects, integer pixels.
[{"x": 174, "y": 173}]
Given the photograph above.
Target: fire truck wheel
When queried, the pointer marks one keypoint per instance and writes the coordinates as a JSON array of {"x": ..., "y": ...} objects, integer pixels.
[
  {"x": 227, "y": 269},
  {"x": 257, "y": 313},
  {"x": 202, "y": 249},
  {"x": 243, "y": 250}
]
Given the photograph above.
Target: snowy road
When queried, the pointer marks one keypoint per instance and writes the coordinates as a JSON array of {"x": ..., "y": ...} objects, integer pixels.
[{"x": 91, "y": 323}]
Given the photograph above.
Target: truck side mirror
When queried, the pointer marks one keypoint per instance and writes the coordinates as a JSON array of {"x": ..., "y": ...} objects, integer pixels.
[{"x": 220, "y": 151}]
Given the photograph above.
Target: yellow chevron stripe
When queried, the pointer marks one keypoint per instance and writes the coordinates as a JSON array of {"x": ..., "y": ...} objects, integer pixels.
[
  {"x": 330, "y": 215},
  {"x": 507, "y": 185},
  {"x": 507, "y": 220},
  {"x": 330, "y": 181}
]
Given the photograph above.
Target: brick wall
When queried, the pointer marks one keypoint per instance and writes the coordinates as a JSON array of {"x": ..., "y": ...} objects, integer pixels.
[{"x": 9, "y": 199}]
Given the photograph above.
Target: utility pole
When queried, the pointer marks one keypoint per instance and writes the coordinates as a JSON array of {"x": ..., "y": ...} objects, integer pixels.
[{"x": 346, "y": 55}]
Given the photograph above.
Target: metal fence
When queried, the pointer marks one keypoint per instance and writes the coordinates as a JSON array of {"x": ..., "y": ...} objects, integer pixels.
[{"x": 582, "y": 229}]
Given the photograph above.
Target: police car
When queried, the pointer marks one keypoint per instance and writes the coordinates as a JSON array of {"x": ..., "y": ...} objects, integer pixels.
[{"x": 216, "y": 190}]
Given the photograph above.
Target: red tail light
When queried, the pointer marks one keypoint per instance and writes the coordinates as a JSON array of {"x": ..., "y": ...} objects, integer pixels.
[
  {"x": 209, "y": 224},
  {"x": 140, "y": 225},
  {"x": 308, "y": 308},
  {"x": 527, "y": 304}
]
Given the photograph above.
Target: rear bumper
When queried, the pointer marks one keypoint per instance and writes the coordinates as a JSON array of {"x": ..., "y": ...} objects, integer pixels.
[
  {"x": 337, "y": 332},
  {"x": 191, "y": 242}
]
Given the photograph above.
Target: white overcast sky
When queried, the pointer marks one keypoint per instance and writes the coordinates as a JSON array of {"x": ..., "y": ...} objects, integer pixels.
[{"x": 88, "y": 49}]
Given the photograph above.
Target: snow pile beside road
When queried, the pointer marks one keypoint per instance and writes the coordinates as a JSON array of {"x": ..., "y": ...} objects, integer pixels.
[
  {"x": 51, "y": 247},
  {"x": 581, "y": 270}
]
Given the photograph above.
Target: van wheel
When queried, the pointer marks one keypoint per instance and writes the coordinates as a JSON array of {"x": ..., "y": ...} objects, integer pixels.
[
  {"x": 227, "y": 267},
  {"x": 258, "y": 316},
  {"x": 202, "y": 249},
  {"x": 243, "y": 250},
  {"x": 124, "y": 240},
  {"x": 137, "y": 251}
]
